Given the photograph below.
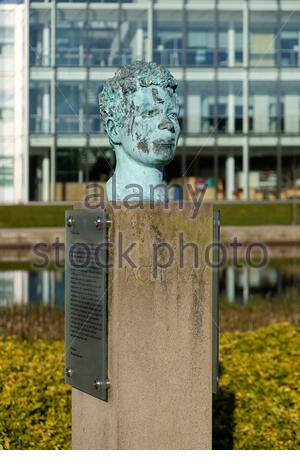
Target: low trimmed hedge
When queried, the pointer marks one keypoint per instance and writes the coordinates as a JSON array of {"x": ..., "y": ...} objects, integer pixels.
[
  {"x": 35, "y": 404},
  {"x": 258, "y": 405}
]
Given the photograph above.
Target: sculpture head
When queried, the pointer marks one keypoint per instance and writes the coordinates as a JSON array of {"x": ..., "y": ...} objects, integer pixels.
[{"x": 139, "y": 109}]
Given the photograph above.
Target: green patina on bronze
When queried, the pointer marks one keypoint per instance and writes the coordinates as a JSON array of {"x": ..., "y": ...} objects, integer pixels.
[{"x": 139, "y": 110}]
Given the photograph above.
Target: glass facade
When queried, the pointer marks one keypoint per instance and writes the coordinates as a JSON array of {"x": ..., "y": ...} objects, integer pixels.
[
  {"x": 40, "y": 107},
  {"x": 232, "y": 60}
]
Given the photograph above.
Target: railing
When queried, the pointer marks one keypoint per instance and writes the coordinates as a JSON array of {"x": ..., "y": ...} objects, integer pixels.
[
  {"x": 71, "y": 123},
  {"x": 38, "y": 58},
  {"x": 39, "y": 125},
  {"x": 171, "y": 57},
  {"x": 195, "y": 57},
  {"x": 93, "y": 57},
  {"x": 289, "y": 58},
  {"x": 262, "y": 59},
  {"x": 286, "y": 57}
]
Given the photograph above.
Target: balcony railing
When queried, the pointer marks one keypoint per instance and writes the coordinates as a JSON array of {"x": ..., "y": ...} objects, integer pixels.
[
  {"x": 39, "y": 125},
  {"x": 93, "y": 57},
  {"x": 289, "y": 58},
  {"x": 71, "y": 123},
  {"x": 286, "y": 58},
  {"x": 38, "y": 58}
]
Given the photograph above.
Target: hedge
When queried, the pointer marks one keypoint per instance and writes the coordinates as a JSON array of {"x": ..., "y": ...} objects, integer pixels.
[
  {"x": 258, "y": 405},
  {"x": 35, "y": 404}
]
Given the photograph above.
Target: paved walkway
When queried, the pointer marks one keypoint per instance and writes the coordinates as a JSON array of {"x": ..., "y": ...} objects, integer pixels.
[{"x": 269, "y": 234}]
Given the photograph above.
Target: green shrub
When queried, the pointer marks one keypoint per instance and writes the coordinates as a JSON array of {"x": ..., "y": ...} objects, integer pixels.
[
  {"x": 35, "y": 404},
  {"x": 257, "y": 406},
  {"x": 259, "y": 400}
]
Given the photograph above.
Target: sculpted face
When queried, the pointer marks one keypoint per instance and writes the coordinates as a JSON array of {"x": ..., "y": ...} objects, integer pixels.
[{"x": 151, "y": 132}]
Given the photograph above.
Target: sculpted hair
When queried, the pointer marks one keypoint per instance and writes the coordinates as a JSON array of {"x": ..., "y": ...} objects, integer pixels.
[{"x": 113, "y": 99}]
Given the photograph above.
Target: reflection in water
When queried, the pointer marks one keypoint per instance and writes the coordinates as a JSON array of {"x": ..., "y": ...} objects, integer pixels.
[
  {"x": 28, "y": 287},
  {"x": 239, "y": 285}
]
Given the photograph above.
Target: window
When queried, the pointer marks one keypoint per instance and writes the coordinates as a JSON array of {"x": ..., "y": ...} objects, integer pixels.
[
  {"x": 263, "y": 107},
  {"x": 263, "y": 33},
  {"x": 94, "y": 124},
  {"x": 70, "y": 98},
  {"x": 168, "y": 37},
  {"x": 103, "y": 38},
  {"x": 6, "y": 171},
  {"x": 200, "y": 38},
  {"x": 40, "y": 37},
  {"x": 290, "y": 107},
  {"x": 133, "y": 35},
  {"x": 289, "y": 39},
  {"x": 40, "y": 106}
]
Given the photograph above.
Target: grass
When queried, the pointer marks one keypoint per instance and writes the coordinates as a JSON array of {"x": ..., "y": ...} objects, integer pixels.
[
  {"x": 27, "y": 216},
  {"x": 258, "y": 214}
]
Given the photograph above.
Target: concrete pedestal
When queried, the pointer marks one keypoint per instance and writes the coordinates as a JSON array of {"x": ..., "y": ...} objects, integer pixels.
[{"x": 159, "y": 337}]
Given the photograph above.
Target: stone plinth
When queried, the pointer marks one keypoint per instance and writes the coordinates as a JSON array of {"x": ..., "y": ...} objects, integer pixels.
[{"x": 159, "y": 336}]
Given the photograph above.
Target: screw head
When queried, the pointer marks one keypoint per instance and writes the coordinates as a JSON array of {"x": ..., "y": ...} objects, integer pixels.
[
  {"x": 101, "y": 383},
  {"x": 97, "y": 383},
  {"x": 70, "y": 221},
  {"x": 68, "y": 372},
  {"x": 98, "y": 222}
]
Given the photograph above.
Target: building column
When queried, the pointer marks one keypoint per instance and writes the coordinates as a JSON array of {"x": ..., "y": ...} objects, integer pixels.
[
  {"x": 21, "y": 287},
  {"x": 231, "y": 45},
  {"x": 193, "y": 113},
  {"x": 291, "y": 113},
  {"x": 261, "y": 113},
  {"x": 80, "y": 175},
  {"x": 230, "y": 176},
  {"x": 149, "y": 51},
  {"x": 45, "y": 287},
  {"x": 230, "y": 283},
  {"x": 245, "y": 284},
  {"x": 45, "y": 178},
  {"x": 246, "y": 169},
  {"x": 139, "y": 43},
  {"x": 246, "y": 34},
  {"x": 53, "y": 170},
  {"x": 81, "y": 119},
  {"x": 46, "y": 110},
  {"x": 46, "y": 46},
  {"x": 231, "y": 110},
  {"x": 245, "y": 183}
]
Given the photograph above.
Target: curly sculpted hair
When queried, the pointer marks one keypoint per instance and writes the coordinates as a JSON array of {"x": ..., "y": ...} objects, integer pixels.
[{"x": 113, "y": 99}]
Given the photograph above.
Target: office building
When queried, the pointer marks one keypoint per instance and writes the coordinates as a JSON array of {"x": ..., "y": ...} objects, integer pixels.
[
  {"x": 238, "y": 67},
  {"x": 13, "y": 102}
]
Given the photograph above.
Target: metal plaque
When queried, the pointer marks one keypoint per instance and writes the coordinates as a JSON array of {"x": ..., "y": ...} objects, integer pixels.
[
  {"x": 215, "y": 302},
  {"x": 86, "y": 301}
]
